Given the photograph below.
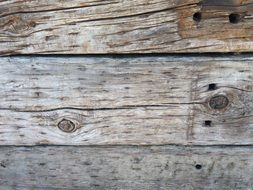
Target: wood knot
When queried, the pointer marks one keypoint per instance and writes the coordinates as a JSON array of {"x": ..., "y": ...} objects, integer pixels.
[
  {"x": 67, "y": 126},
  {"x": 218, "y": 102},
  {"x": 17, "y": 25}
]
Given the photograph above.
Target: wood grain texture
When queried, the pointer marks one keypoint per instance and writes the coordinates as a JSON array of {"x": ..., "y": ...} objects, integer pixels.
[
  {"x": 152, "y": 100},
  {"x": 126, "y": 26},
  {"x": 150, "y": 168}
]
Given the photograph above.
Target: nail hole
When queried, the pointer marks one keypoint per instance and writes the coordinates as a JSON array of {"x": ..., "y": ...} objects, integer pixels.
[
  {"x": 208, "y": 123},
  {"x": 212, "y": 87},
  {"x": 198, "y": 166},
  {"x": 197, "y": 16},
  {"x": 234, "y": 18}
]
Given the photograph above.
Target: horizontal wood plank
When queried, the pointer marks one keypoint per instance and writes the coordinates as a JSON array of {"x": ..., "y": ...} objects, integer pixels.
[
  {"x": 127, "y": 26},
  {"x": 44, "y": 83},
  {"x": 152, "y": 100},
  {"x": 150, "y": 125},
  {"x": 99, "y": 168}
]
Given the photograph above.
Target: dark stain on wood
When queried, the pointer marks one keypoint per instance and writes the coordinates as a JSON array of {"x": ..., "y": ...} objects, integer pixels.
[
  {"x": 210, "y": 19},
  {"x": 52, "y": 37},
  {"x": 227, "y": 5}
]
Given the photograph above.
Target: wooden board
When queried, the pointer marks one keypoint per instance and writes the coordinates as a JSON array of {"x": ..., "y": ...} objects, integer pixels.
[
  {"x": 99, "y": 168},
  {"x": 126, "y": 26},
  {"x": 91, "y": 117},
  {"x": 152, "y": 100}
]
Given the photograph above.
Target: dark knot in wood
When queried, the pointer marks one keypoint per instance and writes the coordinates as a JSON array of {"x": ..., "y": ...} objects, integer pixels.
[
  {"x": 67, "y": 126},
  {"x": 218, "y": 102}
]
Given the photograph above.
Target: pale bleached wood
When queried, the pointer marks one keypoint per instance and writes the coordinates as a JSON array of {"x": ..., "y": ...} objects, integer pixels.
[
  {"x": 150, "y": 100},
  {"x": 126, "y": 26},
  {"x": 44, "y": 83},
  {"x": 149, "y": 168},
  {"x": 111, "y": 100},
  {"x": 140, "y": 126}
]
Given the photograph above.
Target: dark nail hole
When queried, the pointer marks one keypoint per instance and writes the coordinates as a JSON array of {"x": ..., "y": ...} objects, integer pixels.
[
  {"x": 197, "y": 16},
  {"x": 208, "y": 123},
  {"x": 212, "y": 87},
  {"x": 234, "y": 18},
  {"x": 198, "y": 166}
]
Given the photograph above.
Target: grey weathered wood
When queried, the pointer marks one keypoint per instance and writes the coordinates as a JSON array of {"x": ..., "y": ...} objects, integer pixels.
[
  {"x": 44, "y": 83},
  {"x": 149, "y": 168},
  {"x": 149, "y": 125},
  {"x": 126, "y": 26},
  {"x": 143, "y": 100}
]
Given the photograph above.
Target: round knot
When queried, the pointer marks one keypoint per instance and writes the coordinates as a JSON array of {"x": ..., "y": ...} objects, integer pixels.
[
  {"x": 66, "y": 126},
  {"x": 218, "y": 102}
]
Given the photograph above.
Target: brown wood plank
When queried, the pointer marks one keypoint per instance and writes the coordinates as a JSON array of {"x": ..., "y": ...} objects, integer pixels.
[
  {"x": 127, "y": 26},
  {"x": 99, "y": 168},
  {"x": 152, "y": 100}
]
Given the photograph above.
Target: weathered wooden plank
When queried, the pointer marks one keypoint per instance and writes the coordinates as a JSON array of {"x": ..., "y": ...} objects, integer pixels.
[
  {"x": 127, "y": 26},
  {"x": 97, "y": 168},
  {"x": 199, "y": 100},
  {"x": 44, "y": 83},
  {"x": 150, "y": 125},
  {"x": 110, "y": 101}
]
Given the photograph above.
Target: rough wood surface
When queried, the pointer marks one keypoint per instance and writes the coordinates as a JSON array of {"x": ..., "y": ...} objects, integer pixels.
[
  {"x": 126, "y": 26},
  {"x": 149, "y": 168},
  {"x": 143, "y": 100}
]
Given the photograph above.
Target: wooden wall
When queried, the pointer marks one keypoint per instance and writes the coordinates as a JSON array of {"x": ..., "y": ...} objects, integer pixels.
[{"x": 129, "y": 95}]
